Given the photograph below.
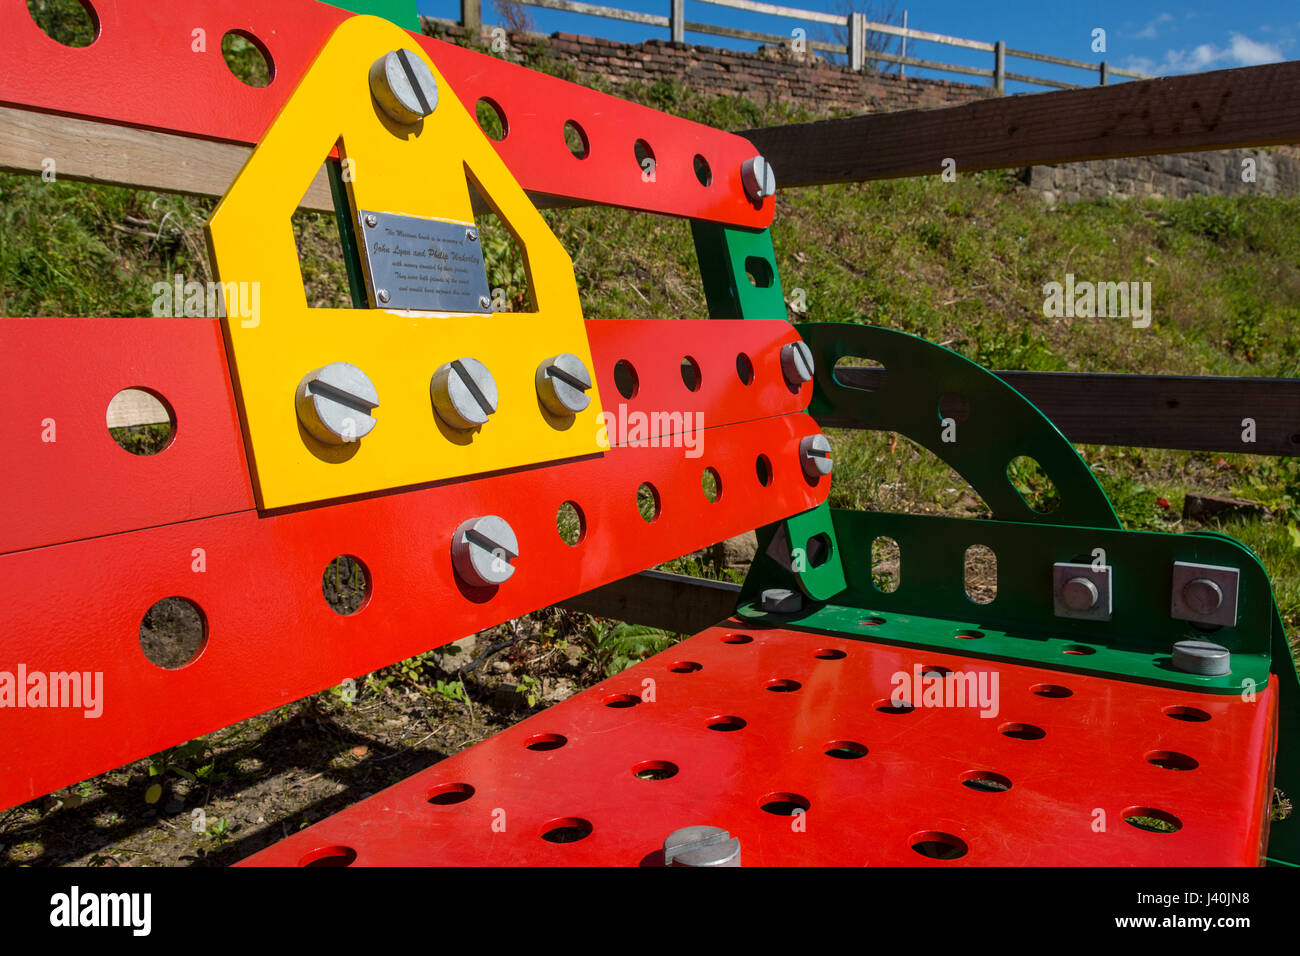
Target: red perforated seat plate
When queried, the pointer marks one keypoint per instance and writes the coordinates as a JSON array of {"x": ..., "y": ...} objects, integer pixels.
[{"x": 1071, "y": 788}]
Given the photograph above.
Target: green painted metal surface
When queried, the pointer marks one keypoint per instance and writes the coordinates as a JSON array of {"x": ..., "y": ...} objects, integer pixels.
[
  {"x": 930, "y": 603},
  {"x": 728, "y": 258},
  {"x": 401, "y": 12},
  {"x": 347, "y": 235},
  {"x": 998, "y": 426}
]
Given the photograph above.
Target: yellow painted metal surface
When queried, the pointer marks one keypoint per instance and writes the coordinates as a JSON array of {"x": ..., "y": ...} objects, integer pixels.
[{"x": 420, "y": 170}]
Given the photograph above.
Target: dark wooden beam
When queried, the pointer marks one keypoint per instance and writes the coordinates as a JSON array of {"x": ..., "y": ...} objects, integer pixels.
[
  {"x": 1251, "y": 106},
  {"x": 1192, "y": 413},
  {"x": 674, "y": 602}
]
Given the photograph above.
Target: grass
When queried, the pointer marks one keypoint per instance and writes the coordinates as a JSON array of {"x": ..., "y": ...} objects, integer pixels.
[{"x": 961, "y": 263}]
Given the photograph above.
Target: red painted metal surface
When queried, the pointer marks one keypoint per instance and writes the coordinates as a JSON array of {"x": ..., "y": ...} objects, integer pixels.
[
  {"x": 271, "y": 638},
  {"x": 83, "y": 485},
  {"x": 1091, "y": 768},
  {"x": 656, "y": 350},
  {"x": 147, "y": 53},
  {"x": 536, "y": 107}
]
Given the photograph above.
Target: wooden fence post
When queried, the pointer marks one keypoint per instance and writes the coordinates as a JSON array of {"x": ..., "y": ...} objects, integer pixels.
[
  {"x": 471, "y": 15},
  {"x": 999, "y": 67},
  {"x": 677, "y": 20},
  {"x": 1105, "y": 73},
  {"x": 857, "y": 39}
]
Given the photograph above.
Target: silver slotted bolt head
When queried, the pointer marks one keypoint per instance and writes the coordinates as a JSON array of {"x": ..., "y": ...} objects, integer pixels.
[
  {"x": 815, "y": 456},
  {"x": 562, "y": 383},
  {"x": 404, "y": 86},
  {"x": 334, "y": 403},
  {"x": 758, "y": 178},
  {"x": 464, "y": 393},
  {"x": 482, "y": 551},
  {"x": 701, "y": 846},
  {"x": 797, "y": 363},
  {"x": 1202, "y": 657},
  {"x": 781, "y": 601}
]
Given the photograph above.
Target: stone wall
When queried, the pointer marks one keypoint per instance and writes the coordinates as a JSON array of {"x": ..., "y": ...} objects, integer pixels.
[
  {"x": 1173, "y": 176},
  {"x": 778, "y": 75}
]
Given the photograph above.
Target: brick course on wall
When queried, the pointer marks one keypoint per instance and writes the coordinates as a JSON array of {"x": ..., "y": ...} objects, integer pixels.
[{"x": 807, "y": 80}]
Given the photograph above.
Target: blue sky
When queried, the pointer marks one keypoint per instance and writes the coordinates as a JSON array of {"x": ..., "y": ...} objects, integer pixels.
[{"x": 1150, "y": 36}]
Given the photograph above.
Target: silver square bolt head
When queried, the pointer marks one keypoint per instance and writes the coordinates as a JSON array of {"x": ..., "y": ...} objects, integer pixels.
[
  {"x": 1204, "y": 594},
  {"x": 1081, "y": 591}
]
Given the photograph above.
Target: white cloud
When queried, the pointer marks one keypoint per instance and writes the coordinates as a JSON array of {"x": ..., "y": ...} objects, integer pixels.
[
  {"x": 1149, "y": 31},
  {"x": 1247, "y": 52},
  {"x": 1240, "y": 51}
]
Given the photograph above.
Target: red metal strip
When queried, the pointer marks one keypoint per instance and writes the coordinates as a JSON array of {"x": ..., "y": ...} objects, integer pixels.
[
  {"x": 163, "y": 64},
  {"x": 272, "y": 638},
  {"x": 1070, "y": 790},
  {"x": 64, "y": 373},
  {"x": 82, "y": 485},
  {"x": 537, "y": 106},
  {"x": 735, "y": 371}
]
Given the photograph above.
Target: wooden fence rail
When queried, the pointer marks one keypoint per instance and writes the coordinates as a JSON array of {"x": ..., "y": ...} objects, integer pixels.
[{"x": 856, "y": 25}]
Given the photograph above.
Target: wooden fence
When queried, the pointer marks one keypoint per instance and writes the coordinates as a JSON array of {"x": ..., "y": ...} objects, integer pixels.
[{"x": 856, "y": 25}]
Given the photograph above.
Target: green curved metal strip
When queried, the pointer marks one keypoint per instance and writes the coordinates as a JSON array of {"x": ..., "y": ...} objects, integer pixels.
[{"x": 1002, "y": 424}]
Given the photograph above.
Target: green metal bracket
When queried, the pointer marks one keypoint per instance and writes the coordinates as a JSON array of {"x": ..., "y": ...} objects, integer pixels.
[
  {"x": 984, "y": 424},
  {"x": 401, "y": 12},
  {"x": 800, "y": 553},
  {"x": 738, "y": 267},
  {"x": 347, "y": 235},
  {"x": 930, "y": 606}
]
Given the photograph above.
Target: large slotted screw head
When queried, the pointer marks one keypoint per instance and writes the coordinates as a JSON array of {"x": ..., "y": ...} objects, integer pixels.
[
  {"x": 464, "y": 393},
  {"x": 404, "y": 86},
  {"x": 815, "y": 456},
  {"x": 701, "y": 846},
  {"x": 1202, "y": 657},
  {"x": 482, "y": 550},
  {"x": 759, "y": 180},
  {"x": 562, "y": 383},
  {"x": 334, "y": 403},
  {"x": 797, "y": 363}
]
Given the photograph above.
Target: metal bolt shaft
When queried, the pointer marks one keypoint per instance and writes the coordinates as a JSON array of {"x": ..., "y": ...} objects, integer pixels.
[
  {"x": 815, "y": 456},
  {"x": 464, "y": 393},
  {"x": 797, "y": 363},
  {"x": 759, "y": 180},
  {"x": 482, "y": 550},
  {"x": 1079, "y": 594},
  {"x": 404, "y": 86},
  {"x": 701, "y": 846},
  {"x": 562, "y": 383},
  {"x": 334, "y": 403},
  {"x": 1202, "y": 595}
]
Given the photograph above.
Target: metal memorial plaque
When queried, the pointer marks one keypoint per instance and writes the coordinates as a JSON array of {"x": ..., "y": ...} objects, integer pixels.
[{"x": 430, "y": 265}]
